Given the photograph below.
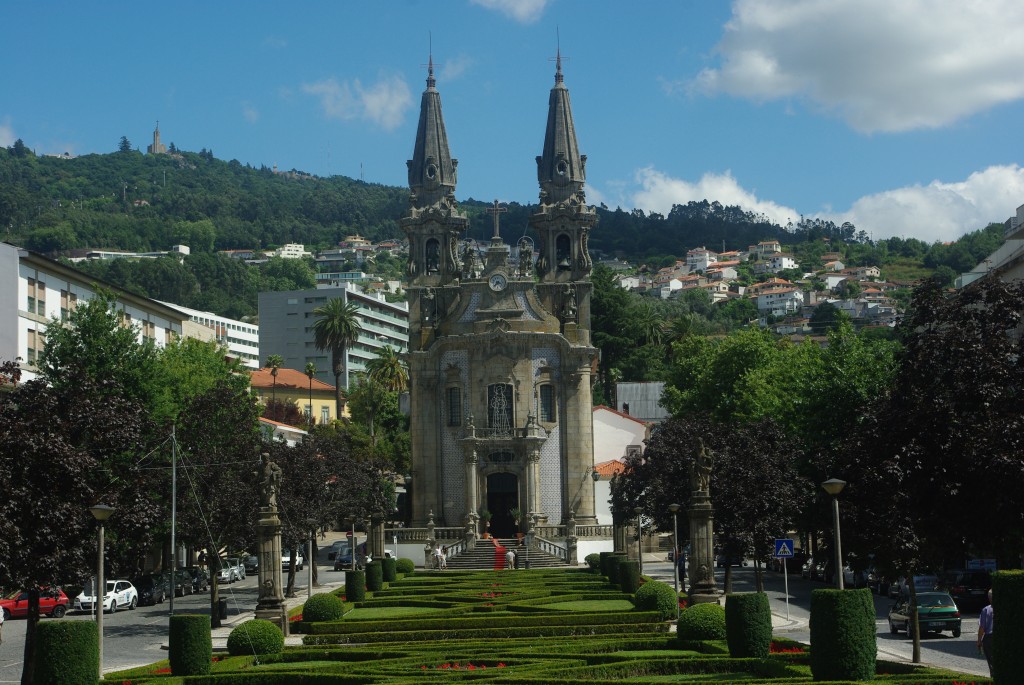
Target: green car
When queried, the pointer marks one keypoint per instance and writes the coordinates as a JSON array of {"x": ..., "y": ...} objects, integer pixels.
[{"x": 936, "y": 612}]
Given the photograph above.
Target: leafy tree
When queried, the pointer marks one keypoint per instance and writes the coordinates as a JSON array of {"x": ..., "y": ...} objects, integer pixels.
[
  {"x": 611, "y": 309},
  {"x": 125, "y": 145},
  {"x": 825, "y": 317},
  {"x": 389, "y": 370},
  {"x": 337, "y": 326},
  {"x": 189, "y": 367},
  {"x": 64, "y": 450},
  {"x": 311, "y": 372}
]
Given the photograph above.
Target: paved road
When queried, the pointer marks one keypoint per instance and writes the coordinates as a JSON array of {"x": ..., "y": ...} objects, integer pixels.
[{"x": 959, "y": 654}]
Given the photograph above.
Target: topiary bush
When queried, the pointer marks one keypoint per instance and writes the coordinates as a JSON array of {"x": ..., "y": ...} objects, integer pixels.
[
  {"x": 1008, "y": 595},
  {"x": 374, "y": 576},
  {"x": 613, "y": 567},
  {"x": 629, "y": 576},
  {"x": 255, "y": 636},
  {"x": 603, "y": 562},
  {"x": 593, "y": 561},
  {"x": 405, "y": 566},
  {"x": 655, "y": 595},
  {"x": 702, "y": 622},
  {"x": 843, "y": 635},
  {"x": 390, "y": 567},
  {"x": 323, "y": 606},
  {"x": 748, "y": 625},
  {"x": 67, "y": 653},
  {"x": 355, "y": 586},
  {"x": 189, "y": 644}
]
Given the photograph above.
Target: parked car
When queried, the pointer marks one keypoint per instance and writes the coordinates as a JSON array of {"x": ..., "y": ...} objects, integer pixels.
[
  {"x": 854, "y": 578},
  {"x": 342, "y": 557},
  {"x": 52, "y": 602},
  {"x": 151, "y": 587},
  {"x": 251, "y": 564},
  {"x": 923, "y": 582},
  {"x": 725, "y": 560},
  {"x": 119, "y": 594},
  {"x": 286, "y": 560},
  {"x": 336, "y": 547},
  {"x": 808, "y": 566},
  {"x": 239, "y": 566},
  {"x": 228, "y": 573},
  {"x": 969, "y": 589},
  {"x": 936, "y": 612},
  {"x": 200, "y": 578},
  {"x": 179, "y": 582},
  {"x": 818, "y": 570}
]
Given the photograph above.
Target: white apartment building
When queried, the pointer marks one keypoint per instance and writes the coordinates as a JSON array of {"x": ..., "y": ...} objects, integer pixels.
[
  {"x": 292, "y": 251},
  {"x": 36, "y": 290},
  {"x": 779, "y": 301},
  {"x": 241, "y": 339},
  {"x": 700, "y": 259},
  {"x": 779, "y": 262}
]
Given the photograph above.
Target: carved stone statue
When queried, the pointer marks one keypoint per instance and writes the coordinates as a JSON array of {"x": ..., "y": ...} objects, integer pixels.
[
  {"x": 428, "y": 308},
  {"x": 525, "y": 257},
  {"x": 700, "y": 471},
  {"x": 569, "y": 303},
  {"x": 271, "y": 482}
]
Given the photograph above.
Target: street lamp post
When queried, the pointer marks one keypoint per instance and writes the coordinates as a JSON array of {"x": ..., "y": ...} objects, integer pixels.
[
  {"x": 834, "y": 486},
  {"x": 639, "y": 537},
  {"x": 674, "y": 509},
  {"x": 310, "y": 558},
  {"x": 101, "y": 512}
]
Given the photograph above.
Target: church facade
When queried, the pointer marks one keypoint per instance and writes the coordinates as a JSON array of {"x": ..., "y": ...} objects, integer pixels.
[{"x": 500, "y": 356}]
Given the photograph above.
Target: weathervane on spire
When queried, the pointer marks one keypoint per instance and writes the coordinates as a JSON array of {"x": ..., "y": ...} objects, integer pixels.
[
  {"x": 431, "y": 81},
  {"x": 558, "y": 56}
]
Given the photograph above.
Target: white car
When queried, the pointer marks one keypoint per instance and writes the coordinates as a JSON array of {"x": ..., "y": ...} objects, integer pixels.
[
  {"x": 229, "y": 571},
  {"x": 120, "y": 594},
  {"x": 239, "y": 567},
  {"x": 286, "y": 560}
]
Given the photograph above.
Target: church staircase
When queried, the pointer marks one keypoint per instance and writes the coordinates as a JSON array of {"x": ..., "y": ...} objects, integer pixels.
[{"x": 490, "y": 554}]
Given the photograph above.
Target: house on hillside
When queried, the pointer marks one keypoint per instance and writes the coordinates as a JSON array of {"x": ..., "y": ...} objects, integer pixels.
[
  {"x": 275, "y": 431},
  {"x": 779, "y": 262},
  {"x": 779, "y": 301}
]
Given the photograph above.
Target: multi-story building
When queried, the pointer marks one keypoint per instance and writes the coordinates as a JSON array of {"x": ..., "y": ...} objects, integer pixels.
[
  {"x": 286, "y": 328},
  {"x": 314, "y": 399},
  {"x": 36, "y": 290},
  {"x": 241, "y": 339}
]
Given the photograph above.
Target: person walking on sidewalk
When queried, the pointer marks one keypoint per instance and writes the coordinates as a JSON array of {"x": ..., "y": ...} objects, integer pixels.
[{"x": 985, "y": 626}]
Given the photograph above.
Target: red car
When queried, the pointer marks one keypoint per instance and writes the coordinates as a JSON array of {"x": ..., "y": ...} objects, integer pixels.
[{"x": 52, "y": 602}]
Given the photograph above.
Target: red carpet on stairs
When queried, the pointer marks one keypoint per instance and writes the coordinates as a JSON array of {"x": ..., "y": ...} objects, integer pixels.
[{"x": 499, "y": 555}]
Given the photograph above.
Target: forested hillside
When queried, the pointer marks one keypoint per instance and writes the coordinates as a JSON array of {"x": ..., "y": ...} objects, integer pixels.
[{"x": 127, "y": 200}]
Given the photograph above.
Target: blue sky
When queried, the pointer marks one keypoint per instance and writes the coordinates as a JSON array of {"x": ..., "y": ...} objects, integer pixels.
[{"x": 904, "y": 117}]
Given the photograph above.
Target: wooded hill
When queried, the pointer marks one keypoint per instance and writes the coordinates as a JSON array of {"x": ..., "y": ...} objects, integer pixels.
[{"x": 130, "y": 201}]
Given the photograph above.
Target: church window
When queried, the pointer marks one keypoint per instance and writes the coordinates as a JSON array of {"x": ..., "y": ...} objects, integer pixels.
[
  {"x": 547, "y": 403},
  {"x": 499, "y": 408},
  {"x": 501, "y": 457},
  {"x": 454, "y": 406}
]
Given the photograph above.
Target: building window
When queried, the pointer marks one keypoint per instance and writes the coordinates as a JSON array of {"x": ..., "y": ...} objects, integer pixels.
[
  {"x": 325, "y": 414},
  {"x": 31, "y": 346},
  {"x": 454, "y": 406},
  {"x": 500, "y": 417},
  {"x": 547, "y": 403},
  {"x": 309, "y": 412}
]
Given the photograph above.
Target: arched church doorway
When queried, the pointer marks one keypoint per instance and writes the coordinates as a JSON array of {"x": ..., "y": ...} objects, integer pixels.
[{"x": 502, "y": 497}]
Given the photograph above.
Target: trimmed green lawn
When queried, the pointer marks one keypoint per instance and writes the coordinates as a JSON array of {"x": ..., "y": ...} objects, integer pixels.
[{"x": 590, "y": 606}]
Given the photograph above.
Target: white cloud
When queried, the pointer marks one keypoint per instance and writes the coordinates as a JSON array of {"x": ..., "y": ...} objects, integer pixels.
[
  {"x": 523, "y": 11},
  {"x": 454, "y": 67},
  {"x": 7, "y": 137},
  {"x": 659, "y": 192},
  {"x": 383, "y": 103},
  {"x": 878, "y": 64},
  {"x": 939, "y": 211},
  {"x": 250, "y": 113}
]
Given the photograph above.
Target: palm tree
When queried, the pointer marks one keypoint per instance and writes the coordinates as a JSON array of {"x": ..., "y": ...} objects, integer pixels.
[
  {"x": 388, "y": 370},
  {"x": 274, "y": 362},
  {"x": 310, "y": 371},
  {"x": 335, "y": 329}
]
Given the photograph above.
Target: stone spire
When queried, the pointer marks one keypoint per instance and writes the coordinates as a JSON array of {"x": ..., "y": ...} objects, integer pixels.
[
  {"x": 561, "y": 168},
  {"x": 432, "y": 171}
]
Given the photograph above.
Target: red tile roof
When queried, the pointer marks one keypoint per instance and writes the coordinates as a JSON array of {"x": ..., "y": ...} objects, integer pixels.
[{"x": 287, "y": 379}]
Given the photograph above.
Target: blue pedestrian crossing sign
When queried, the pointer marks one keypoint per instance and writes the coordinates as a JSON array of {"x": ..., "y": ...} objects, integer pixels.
[{"x": 783, "y": 548}]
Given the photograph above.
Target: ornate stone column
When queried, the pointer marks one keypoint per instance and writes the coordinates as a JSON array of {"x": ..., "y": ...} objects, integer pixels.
[
  {"x": 270, "y": 604},
  {"x": 702, "y": 563},
  {"x": 471, "y": 482}
]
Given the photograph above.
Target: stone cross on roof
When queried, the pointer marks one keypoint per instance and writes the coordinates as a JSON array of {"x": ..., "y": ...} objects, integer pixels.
[{"x": 496, "y": 210}]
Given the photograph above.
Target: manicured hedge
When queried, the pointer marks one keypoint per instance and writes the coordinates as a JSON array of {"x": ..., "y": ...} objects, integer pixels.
[
  {"x": 629, "y": 576},
  {"x": 67, "y": 653},
  {"x": 256, "y": 636},
  {"x": 189, "y": 643},
  {"x": 1008, "y": 596},
  {"x": 655, "y": 595},
  {"x": 748, "y": 625},
  {"x": 355, "y": 586},
  {"x": 602, "y": 563},
  {"x": 614, "y": 562},
  {"x": 390, "y": 567},
  {"x": 324, "y": 606},
  {"x": 405, "y": 566},
  {"x": 702, "y": 622},
  {"x": 374, "y": 575},
  {"x": 843, "y": 634}
]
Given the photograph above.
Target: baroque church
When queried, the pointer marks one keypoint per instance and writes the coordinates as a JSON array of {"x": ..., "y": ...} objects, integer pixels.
[{"x": 500, "y": 357}]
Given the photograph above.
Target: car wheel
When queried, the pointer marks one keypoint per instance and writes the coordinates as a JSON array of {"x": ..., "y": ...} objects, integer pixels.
[
  {"x": 59, "y": 611},
  {"x": 134, "y": 603},
  {"x": 113, "y": 606},
  {"x": 7, "y": 615},
  {"x": 892, "y": 628},
  {"x": 956, "y": 632}
]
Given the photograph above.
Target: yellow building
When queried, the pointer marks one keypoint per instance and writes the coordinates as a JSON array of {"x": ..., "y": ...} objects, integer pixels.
[{"x": 295, "y": 387}]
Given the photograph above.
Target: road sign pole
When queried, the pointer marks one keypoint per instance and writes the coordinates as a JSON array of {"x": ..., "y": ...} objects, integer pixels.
[{"x": 785, "y": 586}]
